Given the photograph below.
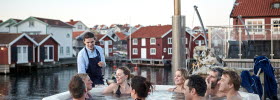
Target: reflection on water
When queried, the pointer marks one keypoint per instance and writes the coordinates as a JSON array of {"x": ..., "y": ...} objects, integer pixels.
[
  {"x": 35, "y": 85},
  {"x": 46, "y": 82}
]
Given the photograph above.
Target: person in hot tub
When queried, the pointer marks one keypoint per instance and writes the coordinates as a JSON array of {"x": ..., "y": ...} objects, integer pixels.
[
  {"x": 140, "y": 88},
  {"x": 122, "y": 86},
  {"x": 179, "y": 79},
  {"x": 88, "y": 84},
  {"x": 195, "y": 88}
]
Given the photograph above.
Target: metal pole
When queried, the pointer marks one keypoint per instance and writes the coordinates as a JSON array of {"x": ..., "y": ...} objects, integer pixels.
[
  {"x": 205, "y": 38},
  {"x": 178, "y": 47},
  {"x": 271, "y": 44},
  {"x": 130, "y": 46}
]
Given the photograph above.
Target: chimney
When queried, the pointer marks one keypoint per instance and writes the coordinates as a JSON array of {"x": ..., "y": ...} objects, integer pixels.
[
  {"x": 159, "y": 24},
  {"x": 71, "y": 20}
]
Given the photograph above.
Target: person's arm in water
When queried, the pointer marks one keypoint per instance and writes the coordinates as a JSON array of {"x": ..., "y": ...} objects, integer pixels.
[
  {"x": 102, "y": 62},
  {"x": 110, "y": 88},
  {"x": 81, "y": 63}
]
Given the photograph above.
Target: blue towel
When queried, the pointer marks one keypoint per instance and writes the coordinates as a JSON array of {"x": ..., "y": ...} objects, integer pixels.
[
  {"x": 251, "y": 83},
  {"x": 270, "y": 85}
]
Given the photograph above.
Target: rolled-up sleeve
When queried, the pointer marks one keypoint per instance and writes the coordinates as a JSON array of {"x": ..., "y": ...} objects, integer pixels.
[
  {"x": 81, "y": 63},
  {"x": 102, "y": 55}
]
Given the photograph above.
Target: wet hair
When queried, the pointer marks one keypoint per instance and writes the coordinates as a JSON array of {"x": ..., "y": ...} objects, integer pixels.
[
  {"x": 184, "y": 73},
  {"x": 126, "y": 71},
  {"x": 77, "y": 87},
  {"x": 88, "y": 35},
  {"x": 234, "y": 79},
  {"x": 219, "y": 71},
  {"x": 198, "y": 83},
  {"x": 141, "y": 86},
  {"x": 83, "y": 75}
]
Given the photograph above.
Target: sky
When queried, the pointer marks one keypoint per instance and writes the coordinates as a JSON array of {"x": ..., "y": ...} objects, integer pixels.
[{"x": 107, "y": 12}]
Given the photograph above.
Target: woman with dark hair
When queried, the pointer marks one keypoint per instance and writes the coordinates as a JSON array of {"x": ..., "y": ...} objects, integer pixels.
[
  {"x": 140, "y": 88},
  {"x": 122, "y": 86}
]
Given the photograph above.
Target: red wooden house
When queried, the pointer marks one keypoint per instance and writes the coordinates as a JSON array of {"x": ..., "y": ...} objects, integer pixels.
[
  {"x": 47, "y": 49},
  {"x": 197, "y": 40},
  {"x": 16, "y": 49},
  {"x": 262, "y": 18},
  {"x": 258, "y": 15},
  {"x": 106, "y": 42},
  {"x": 154, "y": 43}
]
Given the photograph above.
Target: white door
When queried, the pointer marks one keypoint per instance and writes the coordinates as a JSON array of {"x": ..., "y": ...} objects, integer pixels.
[
  {"x": 106, "y": 48},
  {"x": 199, "y": 42},
  {"x": 143, "y": 53},
  {"x": 143, "y": 42},
  {"x": 22, "y": 54}
]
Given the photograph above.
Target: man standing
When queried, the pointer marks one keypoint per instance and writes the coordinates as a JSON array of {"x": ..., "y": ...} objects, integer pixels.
[
  {"x": 91, "y": 59},
  {"x": 195, "y": 88},
  {"x": 214, "y": 75},
  {"x": 230, "y": 84}
]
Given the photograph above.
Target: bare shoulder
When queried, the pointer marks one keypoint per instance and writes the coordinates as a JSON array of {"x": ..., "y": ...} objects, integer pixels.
[
  {"x": 236, "y": 97},
  {"x": 170, "y": 89},
  {"x": 110, "y": 88}
]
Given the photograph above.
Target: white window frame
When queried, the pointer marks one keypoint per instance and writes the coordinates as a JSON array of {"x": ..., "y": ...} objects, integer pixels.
[
  {"x": 252, "y": 31},
  {"x": 48, "y": 52},
  {"x": 31, "y": 23},
  {"x": 143, "y": 41},
  {"x": 164, "y": 49},
  {"x": 151, "y": 51},
  {"x": 67, "y": 50},
  {"x": 134, "y": 41},
  {"x": 110, "y": 50},
  {"x": 110, "y": 42},
  {"x": 153, "y": 43},
  {"x": 272, "y": 27},
  {"x": 21, "y": 46},
  {"x": 186, "y": 40},
  {"x": 169, "y": 40},
  {"x": 61, "y": 50},
  {"x": 197, "y": 41},
  {"x": 216, "y": 43},
  {"x": 169, "y": 51},
  {"x": 80, "y": 26},
  {"x": 101, "y": 42},
  {"x": 134, "y": 51}
]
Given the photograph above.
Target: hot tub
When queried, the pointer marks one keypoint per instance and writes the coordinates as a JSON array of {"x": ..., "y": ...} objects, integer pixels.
[{"x": 160, "y": 93}]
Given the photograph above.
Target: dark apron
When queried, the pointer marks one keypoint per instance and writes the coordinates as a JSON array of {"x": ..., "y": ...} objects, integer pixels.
[{"x": 93, "y": 70}]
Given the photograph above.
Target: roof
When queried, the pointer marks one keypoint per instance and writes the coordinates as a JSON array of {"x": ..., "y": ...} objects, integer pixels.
[
  {"x": 98, "y": 36},
  {"x": 7, "y": 38},
  {"x": 72, "y": 22},
  {"x": 11, "y": 38},
  {"x": 102, "y": 36},
  {"x": 151, "y": 31},
  {"x": 254, "y": 8},
  {"x": 17, "y": 20},
  {"x": 137, "y": 26},
  {"x": 196, "y": 28},
  {"x": 121, "y": 35},
  {"x": 11, "y": 21},
  {"x": 54, "y": 22},
  {"x": 77, "y": 33},
  {"x": 38, "y": 38},
  {"x": 196, "y": 35}
]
